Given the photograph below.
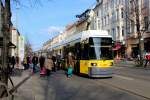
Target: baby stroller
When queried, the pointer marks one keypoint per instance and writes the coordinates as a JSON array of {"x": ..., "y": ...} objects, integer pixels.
[{"x": 43, "y": 71}]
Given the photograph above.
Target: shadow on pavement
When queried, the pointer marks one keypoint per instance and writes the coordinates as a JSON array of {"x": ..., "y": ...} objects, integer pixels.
[{"x": 17, "y": 72}]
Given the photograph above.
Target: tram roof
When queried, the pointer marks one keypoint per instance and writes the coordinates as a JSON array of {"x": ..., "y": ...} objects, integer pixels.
[{"x": 81, "y": 36}]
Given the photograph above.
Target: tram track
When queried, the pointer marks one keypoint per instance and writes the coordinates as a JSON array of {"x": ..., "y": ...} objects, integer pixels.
[
  {"x": 133, "y": 76},
  {"x": 106, "y": 84},
  {"x": 129, "y": 73}
]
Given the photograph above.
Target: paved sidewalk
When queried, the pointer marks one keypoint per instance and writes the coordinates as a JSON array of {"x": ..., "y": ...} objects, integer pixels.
[{"x": 32, "y": 89}]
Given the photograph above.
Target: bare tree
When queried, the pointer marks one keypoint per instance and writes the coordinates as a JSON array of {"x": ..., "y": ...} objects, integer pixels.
[
  {"x": 28, "y": 47},
  {"x": 134, "y": 17},
  {"x": 6, "y": 26},
  {"x": 6, "y": 17}
]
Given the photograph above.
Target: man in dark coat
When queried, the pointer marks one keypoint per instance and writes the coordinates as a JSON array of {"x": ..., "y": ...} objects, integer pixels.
[
  {"x": 42, "y": 61},
  {"x": 35, "y": 62},
  {"x": 28, "y": 61},
  {"x": 54, "y": 62},
  {"x": 13, "y": 62}
]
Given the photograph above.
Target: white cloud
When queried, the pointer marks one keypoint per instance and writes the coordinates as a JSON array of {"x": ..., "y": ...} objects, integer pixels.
[{"x": 54, "y": 29}]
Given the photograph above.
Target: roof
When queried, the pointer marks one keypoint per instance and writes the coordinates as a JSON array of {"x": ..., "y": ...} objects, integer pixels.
[{"x": 81, "y": 36}]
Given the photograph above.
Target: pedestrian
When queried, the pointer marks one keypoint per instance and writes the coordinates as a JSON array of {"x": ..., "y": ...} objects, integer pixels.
[
  {"x": 71, "y": 59},
  {"x": 54, "y": 62},
  {"x": 9, "y": 64},
  {"x": 58, "y": 57},
  {"x": 25, "y": 63},
  {"x": 13, "y": 62},
  {"x": 34, "y": 62},
  {"x": 42, "y": 61},
  {"x": 49, "y": 65},
  {"x": 70, "y": 71},
  {"x": 147, "y": 57},
  {"x": 17, "y": 61},
  {"x": 28, "y": 61}
]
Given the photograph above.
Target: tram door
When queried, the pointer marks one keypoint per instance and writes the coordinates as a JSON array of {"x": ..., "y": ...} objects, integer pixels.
[{"x": 77, "y": 58}]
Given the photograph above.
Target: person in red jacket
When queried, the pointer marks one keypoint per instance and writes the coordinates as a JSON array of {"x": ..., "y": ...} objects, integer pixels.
[{"x": 147, "y": 59}]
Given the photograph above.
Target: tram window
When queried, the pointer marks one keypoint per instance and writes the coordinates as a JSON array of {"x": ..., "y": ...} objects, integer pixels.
[
  {"x": 78, "y": 51},
  {"x": 106, "y": 53},
  {"x": 92, "y": 54},
  {"x": 85, "y": 49},
  {"x": 106, "y": 41},
  {"x": 100, "y": 48}
]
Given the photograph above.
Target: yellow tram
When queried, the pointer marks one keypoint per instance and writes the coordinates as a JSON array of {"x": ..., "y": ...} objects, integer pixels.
[{"x": 91, "y": 51}]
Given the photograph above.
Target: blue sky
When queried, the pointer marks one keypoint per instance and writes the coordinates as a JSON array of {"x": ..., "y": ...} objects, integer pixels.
[{"x": 41, "y": 23}]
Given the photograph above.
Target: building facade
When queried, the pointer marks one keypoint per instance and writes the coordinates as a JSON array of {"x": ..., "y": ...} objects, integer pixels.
[
  {"x": 21, "y": 48},
  {"x": 141, "y": 33},
  {"x": 110, "y": 16},
  {"x": 118, "y": 17},
  {"x": 15, "y": 40}
]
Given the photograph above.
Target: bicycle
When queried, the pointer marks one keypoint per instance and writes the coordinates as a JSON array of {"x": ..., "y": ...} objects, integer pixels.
[{"x": 137, "y": 61}]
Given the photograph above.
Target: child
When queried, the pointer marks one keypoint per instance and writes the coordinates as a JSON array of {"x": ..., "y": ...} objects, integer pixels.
[{"x": 70, "y": 70}]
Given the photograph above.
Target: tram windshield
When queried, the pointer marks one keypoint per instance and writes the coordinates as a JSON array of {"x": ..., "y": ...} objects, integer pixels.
[{"x": 100, "y": 48}]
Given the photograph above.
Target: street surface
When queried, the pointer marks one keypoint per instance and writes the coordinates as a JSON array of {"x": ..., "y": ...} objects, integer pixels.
[{"x": 128, "y": 83}]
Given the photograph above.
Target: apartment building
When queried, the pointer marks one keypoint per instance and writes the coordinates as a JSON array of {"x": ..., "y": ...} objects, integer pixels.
[
  {"x": 133, "y": 38},
  {"x": 110, "y": 16},
  {"x": 15, "y": 40},
  {"x": 117, "y": 17}
]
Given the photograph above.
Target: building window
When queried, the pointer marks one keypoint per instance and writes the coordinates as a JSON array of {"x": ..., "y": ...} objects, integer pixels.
[
  {"x": 112, "y": 3},
  {"x": 97, "y": 13},
  {"x": 102, "y": 22},
  {"x": 105, "y": 20},
  {"x": 117, "y": 14},
  {"x": 107, "y": 6},
  {"x": 99, "y": 24},
  {"x": 121, "y": 2},
  {"x": 146, "y": 22},
  {"x": 122, "y": 14},
  {"x": 108, "y": 31},
  {"x": 113, "y": 34},
  {"x": 118, "y": 31},
  {"x": 145, "y": 3},
  {"x": 122, "y": 31},
  {"x": 132, "y": 27},
  {"x": 113, "y": 17}
]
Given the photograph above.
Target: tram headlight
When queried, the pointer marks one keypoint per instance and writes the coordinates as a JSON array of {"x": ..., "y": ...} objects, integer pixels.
[
  {"x": 111, "y": 64},
  {"x": 93, "y": 64}
]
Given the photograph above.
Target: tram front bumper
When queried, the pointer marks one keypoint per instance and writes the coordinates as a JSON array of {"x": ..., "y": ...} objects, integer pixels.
[{"x": 99, "y": 72}]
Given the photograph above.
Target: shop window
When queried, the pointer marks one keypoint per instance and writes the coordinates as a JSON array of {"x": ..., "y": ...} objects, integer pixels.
[
  {"x": 146, "y": 22},
  {"x": 122, "y": 14}
]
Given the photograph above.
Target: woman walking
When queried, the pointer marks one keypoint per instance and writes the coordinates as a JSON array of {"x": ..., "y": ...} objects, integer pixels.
[{"x": 49, "y": 65}]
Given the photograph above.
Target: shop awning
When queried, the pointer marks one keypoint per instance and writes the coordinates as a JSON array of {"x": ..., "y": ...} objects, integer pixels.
[
  {"x": 117, "y": 46},
  {"x": 11, "y": 45}
]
